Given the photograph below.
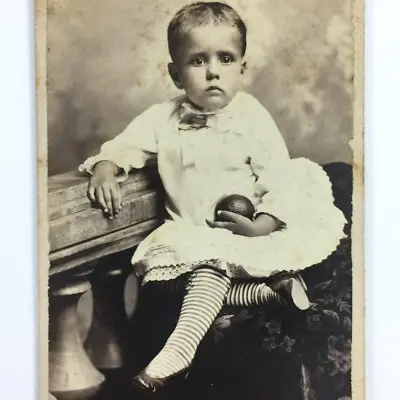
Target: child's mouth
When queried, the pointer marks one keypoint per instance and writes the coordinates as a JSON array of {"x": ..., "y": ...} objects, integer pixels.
[{"x": 214, "y": 89}]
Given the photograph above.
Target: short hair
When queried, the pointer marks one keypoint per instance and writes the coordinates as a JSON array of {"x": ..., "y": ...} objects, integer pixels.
[{"x": 200, "y": 14}]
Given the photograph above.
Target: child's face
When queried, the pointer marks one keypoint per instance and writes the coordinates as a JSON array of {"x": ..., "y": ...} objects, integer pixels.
[{"x": 210, "y": 65}]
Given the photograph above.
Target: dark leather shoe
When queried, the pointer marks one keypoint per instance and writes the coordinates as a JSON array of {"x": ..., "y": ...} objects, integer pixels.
[{"x": 149, "y": 384}]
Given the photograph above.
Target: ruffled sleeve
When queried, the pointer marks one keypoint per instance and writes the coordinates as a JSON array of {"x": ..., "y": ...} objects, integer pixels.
[
  {"x": 134, "y": 148},
  {"x": 297, "y": 192},
  {"x": 268, "y": 156}
]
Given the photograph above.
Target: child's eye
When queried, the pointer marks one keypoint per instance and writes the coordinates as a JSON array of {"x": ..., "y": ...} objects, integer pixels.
[
  {"x": 198, "y": 61},
  {"x": 226, "y": 59}
]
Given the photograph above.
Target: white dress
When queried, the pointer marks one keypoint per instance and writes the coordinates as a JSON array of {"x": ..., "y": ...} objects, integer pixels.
[{"x": 239, "y": 151}]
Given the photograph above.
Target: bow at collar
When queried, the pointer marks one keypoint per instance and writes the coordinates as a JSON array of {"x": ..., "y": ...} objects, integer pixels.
[{"x": 191, "y": 118}]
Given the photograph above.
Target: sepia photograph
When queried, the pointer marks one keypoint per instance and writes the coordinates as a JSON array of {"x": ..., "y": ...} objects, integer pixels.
[{"x": 200, "y": 167}]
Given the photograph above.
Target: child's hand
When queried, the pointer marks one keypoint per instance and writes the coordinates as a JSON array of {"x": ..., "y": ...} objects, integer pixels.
[
  {"x": 239, "y": 225},
  {"x": 104, "y": 189}
]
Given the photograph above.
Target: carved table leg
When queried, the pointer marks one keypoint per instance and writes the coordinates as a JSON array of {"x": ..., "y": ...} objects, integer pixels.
[
  {"x": 69, "y": 366},
  {"x": 106, "y": 342}
]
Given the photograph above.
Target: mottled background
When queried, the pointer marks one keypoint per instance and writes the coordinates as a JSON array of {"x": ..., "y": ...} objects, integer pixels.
[{"x": 107, "y": 62}]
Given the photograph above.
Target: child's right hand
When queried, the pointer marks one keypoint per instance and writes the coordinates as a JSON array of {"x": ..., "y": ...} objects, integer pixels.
[{"x": 104, "y": 189}]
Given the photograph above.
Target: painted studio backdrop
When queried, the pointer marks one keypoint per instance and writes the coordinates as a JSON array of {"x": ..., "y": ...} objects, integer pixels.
[{"x": 107, "y": 62}]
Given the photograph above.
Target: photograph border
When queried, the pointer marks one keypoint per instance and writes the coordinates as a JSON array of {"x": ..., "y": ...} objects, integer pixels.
[{"x": 357, "y": 146}]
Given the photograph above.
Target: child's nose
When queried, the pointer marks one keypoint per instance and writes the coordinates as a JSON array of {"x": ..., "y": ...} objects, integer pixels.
[{"x": 213, "y": 70}]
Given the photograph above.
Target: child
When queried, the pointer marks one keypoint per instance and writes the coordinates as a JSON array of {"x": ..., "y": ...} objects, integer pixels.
[{"x": 213, "y": 141}]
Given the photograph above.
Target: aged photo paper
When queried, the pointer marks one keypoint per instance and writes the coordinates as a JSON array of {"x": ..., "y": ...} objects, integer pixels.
[{"x": 201, "y": 189}]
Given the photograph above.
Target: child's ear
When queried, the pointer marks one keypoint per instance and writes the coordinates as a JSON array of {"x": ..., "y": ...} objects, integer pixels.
[
  {"x": 243, "y": 69},
  {"x": 174, "y": 74}
]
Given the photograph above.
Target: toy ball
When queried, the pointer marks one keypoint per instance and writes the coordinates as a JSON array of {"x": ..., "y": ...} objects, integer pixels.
[{"x": 237, "y": 204}]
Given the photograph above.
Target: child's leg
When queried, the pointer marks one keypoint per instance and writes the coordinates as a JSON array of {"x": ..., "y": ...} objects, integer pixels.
[
  {"x": 205, "y": 296},
  {"x": 255, "y": 294},
  {"x": 246, "y": 294},
  {"x": 286, "y": 290}
]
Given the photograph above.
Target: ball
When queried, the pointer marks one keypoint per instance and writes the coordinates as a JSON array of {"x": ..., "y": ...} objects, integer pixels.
[{"x": 237, "y": 204}]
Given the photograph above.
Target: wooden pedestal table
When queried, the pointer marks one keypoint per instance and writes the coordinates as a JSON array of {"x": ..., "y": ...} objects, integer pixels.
[
  {"x": 107, "y": 343},
  {"x": 70, "y": 369},
  {"x": 80, "y": 235}
]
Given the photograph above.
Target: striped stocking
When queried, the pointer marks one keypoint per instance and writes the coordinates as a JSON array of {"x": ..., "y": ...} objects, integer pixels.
[
  {"x": 204, "y": 299},
  {"x": 286, "y": 292},
  {"x": 248, "y": 294}
]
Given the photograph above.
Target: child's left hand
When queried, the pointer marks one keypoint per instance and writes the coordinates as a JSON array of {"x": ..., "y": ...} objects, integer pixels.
[{"x": 243, "y": 226}]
